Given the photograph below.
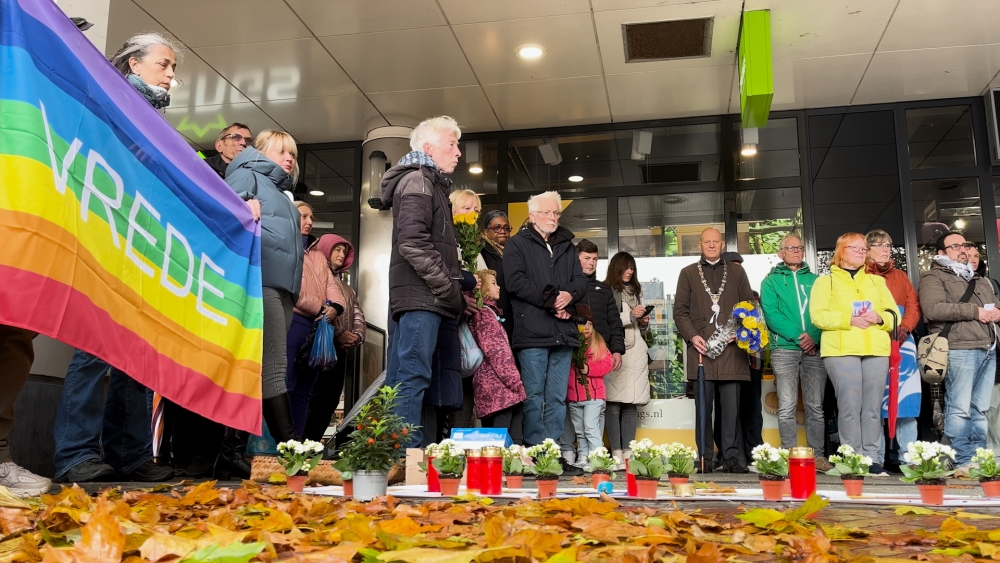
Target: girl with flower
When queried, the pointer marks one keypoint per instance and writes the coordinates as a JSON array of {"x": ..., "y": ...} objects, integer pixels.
[{"x": 587, "y": 393}]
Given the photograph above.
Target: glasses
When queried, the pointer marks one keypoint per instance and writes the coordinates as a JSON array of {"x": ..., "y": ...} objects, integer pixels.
[
  {"x": 237, "y": 137},
  {"x": 960, "y": 245},
  {"x": 858, "y": 248},
  {"x": 500, "y": 229},
  {"x": 556, "y": 214},
  {"x": 881, "y": 246},
  {"x": 793, "y": 248}
]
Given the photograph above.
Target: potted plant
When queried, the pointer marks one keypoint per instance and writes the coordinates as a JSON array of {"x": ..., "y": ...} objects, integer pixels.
[
  {"x": 298, "y": 459},
  {"x": 851, "y": 467},
  {"x": 928, "y": 464},
  {"x": 375, "y": 444},
  {"x": 515, "y": 464},
  {"x": 648, "y": 465},
  {"x": 602, "y": 465},
  {"x": 449, "y": 461},
  {"x": 547, "y": 468},
  {"x": 984, "y": 468},
  {"x": 679, "y": 462},
  {"x": 771, "y": 466}
]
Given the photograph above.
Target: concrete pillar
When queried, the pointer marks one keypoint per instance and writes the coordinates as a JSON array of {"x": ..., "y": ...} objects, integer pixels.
[{"x": 376, "y": 225}]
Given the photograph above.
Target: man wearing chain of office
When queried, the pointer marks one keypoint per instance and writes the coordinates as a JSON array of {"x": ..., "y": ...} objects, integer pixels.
[{"x": 707, "y": 291}]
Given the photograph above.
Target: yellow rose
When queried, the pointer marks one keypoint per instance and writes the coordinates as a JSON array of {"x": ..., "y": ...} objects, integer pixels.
[{"x": 750, "y": 322}]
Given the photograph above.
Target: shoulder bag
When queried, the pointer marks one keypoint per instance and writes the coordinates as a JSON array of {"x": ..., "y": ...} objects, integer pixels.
[{"x": 932, "y": 350}]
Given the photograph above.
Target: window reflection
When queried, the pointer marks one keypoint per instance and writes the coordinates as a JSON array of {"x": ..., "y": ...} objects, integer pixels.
[
  {"x": 328, "y": 176},
  {"x": 477, "y": 167},
  {"x": 940, "y": 137},
  {"x": 668, "y": 224},
  {"x": 777, "y": 151},
  {"x": 765, "y": 216},
  {"x": 587, "y": 218},
  {"x": 946, "y": 205}
]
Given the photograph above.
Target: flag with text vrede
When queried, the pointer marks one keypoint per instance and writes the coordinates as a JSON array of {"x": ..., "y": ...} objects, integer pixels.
[{"x": 115, "y": 237}]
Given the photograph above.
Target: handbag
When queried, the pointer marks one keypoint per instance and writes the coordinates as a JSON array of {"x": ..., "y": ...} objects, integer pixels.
[
  {"x": 472, "y": 356},
  {"x": 932, "y": 350}
]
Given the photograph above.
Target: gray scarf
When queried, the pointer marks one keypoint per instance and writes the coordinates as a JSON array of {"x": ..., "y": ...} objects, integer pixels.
[
  {"x": 961, "y": 270},
  {"x": 419, "y": 158},
  {"x": 157, "y": 97}
]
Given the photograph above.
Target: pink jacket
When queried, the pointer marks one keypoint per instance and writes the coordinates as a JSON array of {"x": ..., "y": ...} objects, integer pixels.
[
  {"x": 497, "y": 383},
  {"x": 595, "y": 380},
  {"x": 317, "y": 284}
]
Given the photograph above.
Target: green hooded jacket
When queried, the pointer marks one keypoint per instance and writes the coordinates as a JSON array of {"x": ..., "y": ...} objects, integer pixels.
[{"x": 784, "y": 296}]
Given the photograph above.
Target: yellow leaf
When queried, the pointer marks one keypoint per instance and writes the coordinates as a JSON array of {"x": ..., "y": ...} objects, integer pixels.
[
  {"x": 918, "y": 510},
  {"x": 101, "y": 540},
  {"x": 954, "y": 525},
  {"x": 401, "y": 526},
  {"x": 161, "y": 545},
  {"x": 567, "y": 555},
  {"x": 429, "y": 555},
  {"x": 605, "y": 530},
  {"x": 988, "y": 550},
  {"x": 204, "y": 493}
]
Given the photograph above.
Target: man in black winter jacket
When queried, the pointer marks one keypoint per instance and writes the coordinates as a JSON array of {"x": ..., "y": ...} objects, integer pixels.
[
  {"x": 543, "y": 277},
  {"x": 424, "y": 270},
  {"x": 231, "y": 142}
]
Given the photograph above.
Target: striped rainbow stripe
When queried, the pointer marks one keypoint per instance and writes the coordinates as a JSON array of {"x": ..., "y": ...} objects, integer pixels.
[{"x": 115, "y": 236}]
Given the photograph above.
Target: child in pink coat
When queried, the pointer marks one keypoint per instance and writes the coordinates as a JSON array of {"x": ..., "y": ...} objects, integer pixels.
[
  {"x": 497, "y": 383},
  {"x": 587, "y": 396}
]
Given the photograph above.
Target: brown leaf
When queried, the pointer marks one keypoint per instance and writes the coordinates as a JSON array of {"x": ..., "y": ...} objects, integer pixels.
[
  {"x": 605, "y": 530},
  {"x": 101, "y": 541},
  {"x": 539, "y": 544},
  {"x": 760, "y": 543},
  {"x": 707, "y": 553},
  {"x": 580, "y": 480},
  {"x": 13, "y": 520}
]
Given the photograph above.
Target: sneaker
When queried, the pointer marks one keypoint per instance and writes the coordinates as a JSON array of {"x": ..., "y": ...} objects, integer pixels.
[
  {"x": 87, "y": 471},
  {"x": 22, "y": 482},
  {"x": 149, "y": 472},
  {"x": 823, "y": 465},
  {"x": 569, "y": 470},
  {"x": 876, "y": 470},
  {"x": 963, "y": 472}
]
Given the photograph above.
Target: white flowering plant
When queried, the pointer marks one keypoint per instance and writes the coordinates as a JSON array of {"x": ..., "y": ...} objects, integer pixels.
[
  {"x": 927, "y": 461},
  {"x": 516, "y": 460},
  {"x": 449, "y": 459},
  {"x": 770, "y": 462},
  {"x": 984, "y": 465},
  {"x": 679, "y": 459},
  {"x": 601, "y": 461},
  {"x": 647, "y": 461},
  {"x": 849, "y": 464},
  {"x": 298, "y": 456},
  {"x": 546, "y": 459}
]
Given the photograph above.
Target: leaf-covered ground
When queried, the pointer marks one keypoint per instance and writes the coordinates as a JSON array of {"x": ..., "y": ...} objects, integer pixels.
[{"x": 221, "y": 525}]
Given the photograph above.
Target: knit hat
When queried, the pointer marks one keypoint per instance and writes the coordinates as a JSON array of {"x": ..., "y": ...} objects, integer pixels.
[{"x": 583, "y": 310}]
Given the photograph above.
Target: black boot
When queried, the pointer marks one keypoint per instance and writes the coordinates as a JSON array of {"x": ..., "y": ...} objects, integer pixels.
[
  {"x": 278, "y": 415},
  {"x": 232, "y": 463}
]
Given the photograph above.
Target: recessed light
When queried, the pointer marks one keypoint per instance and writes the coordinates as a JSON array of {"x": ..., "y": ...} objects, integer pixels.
[
  {"x": 316, "y": 192},
  {"x": 475, "y": 169},
  {"x": 575, "y": 178},
  {"x": 749, "y": 149},
  {"x": 530, "y": 52},
  {"x": 959, "y": 224}
]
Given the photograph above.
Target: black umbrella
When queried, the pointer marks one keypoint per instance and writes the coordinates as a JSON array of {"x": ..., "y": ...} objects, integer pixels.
[{"x": 700, "y": 407}]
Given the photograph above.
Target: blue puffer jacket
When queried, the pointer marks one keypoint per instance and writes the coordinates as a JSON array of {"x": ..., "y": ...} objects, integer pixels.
[{"x": 254, "y": 176}]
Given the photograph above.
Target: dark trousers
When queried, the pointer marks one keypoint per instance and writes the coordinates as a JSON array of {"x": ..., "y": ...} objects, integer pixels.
[
  {"x": 189, "y": 437},
  {"x": 751, "y": 418},
  {"x": 326, "y": 392},
  {"x": 16, "y": 355},
  {"x": 728, "y": 394}
]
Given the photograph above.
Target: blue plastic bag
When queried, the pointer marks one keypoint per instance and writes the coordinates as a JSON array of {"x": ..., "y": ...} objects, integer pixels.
[{"x": 324, "y": 352}]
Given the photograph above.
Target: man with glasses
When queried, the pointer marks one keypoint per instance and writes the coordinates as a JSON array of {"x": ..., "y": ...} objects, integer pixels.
[
  {"x": 795, "y": 358},
  {"x": 544, "y": 279},
  {"x": 971, "y": 342},
  {"x": 231, "y": 142}
]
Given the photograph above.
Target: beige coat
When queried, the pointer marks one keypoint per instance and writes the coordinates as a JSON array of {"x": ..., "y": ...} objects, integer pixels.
[
  {"x": 630, "y": 383},
  {"x": 693, "y": 309}
]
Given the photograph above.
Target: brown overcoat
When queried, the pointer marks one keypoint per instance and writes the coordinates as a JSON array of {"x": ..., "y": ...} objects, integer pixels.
[{"x": 693, "y": 309}]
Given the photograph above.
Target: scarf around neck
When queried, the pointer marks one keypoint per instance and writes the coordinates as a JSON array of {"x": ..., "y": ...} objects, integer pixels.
[
  {"x": 959, "y": 269},
  {"x": 157, "y": 97},
  {"x": 419, "y": 158}
]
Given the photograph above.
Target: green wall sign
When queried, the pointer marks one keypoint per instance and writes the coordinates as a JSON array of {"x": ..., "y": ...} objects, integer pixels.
[{"x": 756, "y": 79}]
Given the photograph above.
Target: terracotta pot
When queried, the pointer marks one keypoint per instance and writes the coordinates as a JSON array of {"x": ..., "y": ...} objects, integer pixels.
[
  {"x": 349, "y": 488},
  {"x": 449, "y": 486},
  {"x": 931, "y": 494},
  {"x": 786, "y": 488},
  {"x": 771, "y": 489},
  {"x": 297, "y": 482},
  {"x": 598, "y": 478},
  {"x": 546, "y": 487},
  {"x": 514, "y": 481},
  {"x": 646, "y": 488},
  {"x": 990, "y": 488},
  {"x": 853, "y": 486},
  {"x": 679, "y": 480}
]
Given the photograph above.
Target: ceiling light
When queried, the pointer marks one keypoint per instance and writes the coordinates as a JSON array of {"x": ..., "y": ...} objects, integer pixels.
[
  {"x": 315, "y": 192},
  {"x": 475, "y": 168},
  {"x": 530, "y": 52},
  {"x": 575, "y": 178},
  {"x": 749, "y": 149},
  {"x": 959, "y": 224}
]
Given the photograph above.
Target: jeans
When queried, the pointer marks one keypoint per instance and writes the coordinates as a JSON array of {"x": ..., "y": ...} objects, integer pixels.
[
  {"x": 859, "y": 382},
  {"x": 622, "y": 420},
  {"x": 545, "y": 374},
  {"x": 586, "y": 416},
  {"x": 968, "y": 386},
  {"x": 906, "y": 432},
  {"x": 413, "y": 344},
  {"x": 86, "y": 423},
  {"x": 792, "y": 368}
]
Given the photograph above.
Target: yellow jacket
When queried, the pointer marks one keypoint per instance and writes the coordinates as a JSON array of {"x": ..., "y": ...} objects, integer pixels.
[{"x": 831, "y": 306}]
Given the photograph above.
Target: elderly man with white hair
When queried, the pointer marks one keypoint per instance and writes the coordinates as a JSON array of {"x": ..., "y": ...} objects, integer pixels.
[
  {"x": 424, "y": 270},
  {"x": 543, "y": 277}
]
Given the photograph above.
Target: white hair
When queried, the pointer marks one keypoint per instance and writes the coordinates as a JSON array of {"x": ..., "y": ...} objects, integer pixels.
[
  {"x": 430, "y": 131},
  {"x": 139, "y": 46},
  {"x": 553, "y": 195}
]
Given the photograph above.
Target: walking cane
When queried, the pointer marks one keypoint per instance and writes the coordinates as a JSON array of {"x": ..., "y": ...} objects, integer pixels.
[{"x": 700, "y": 405}]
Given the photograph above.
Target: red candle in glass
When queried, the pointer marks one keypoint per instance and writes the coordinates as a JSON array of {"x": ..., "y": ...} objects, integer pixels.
[
  {"x": 433, "y": 485},
  {"x": 473, "y": 472},
  {"x": 802, "y": 472},
  {"x": 491, "y": 472},
  {"x": 631, "y": 487}
]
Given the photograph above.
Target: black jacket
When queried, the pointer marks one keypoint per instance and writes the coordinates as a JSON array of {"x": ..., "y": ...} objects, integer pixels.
[
  {"x": 495, "y": 262},
  {"x": 533, "y": 278},
  {"x": 424, "y": 269},
  {"x": 218, "y": 165},
  {"x": 607, "y": 317}
]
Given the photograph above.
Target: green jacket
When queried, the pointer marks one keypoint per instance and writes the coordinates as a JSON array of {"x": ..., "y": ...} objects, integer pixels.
[{"x": 784, "y": 296}]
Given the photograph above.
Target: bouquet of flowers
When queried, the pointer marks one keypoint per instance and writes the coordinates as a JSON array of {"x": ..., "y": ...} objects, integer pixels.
[
  {"x": 516, "y": 461},
  {"x": 927, "y": 463},
  {"x": 848, "y": 464},
  {"x": 546, "y": 458},
  {"x": 769, "y": 462},
  {"x": 580, "y": 360},
  {"x": 470, "y": 243},
  {"x": 746, "y": 324}
]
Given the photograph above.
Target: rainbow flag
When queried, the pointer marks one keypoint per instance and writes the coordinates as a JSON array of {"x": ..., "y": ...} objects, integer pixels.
[{"x": 115, "y": 236}]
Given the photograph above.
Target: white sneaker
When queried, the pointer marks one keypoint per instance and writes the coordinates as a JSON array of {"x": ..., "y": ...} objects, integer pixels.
[
  {"x": 22, "y": 482},
  {"x": 620, "y": 454},
  {"x": 570, "y": 457}
]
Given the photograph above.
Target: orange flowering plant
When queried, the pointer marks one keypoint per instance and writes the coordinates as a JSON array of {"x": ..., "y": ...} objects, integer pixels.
[{"x": 379, "y": 437}]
